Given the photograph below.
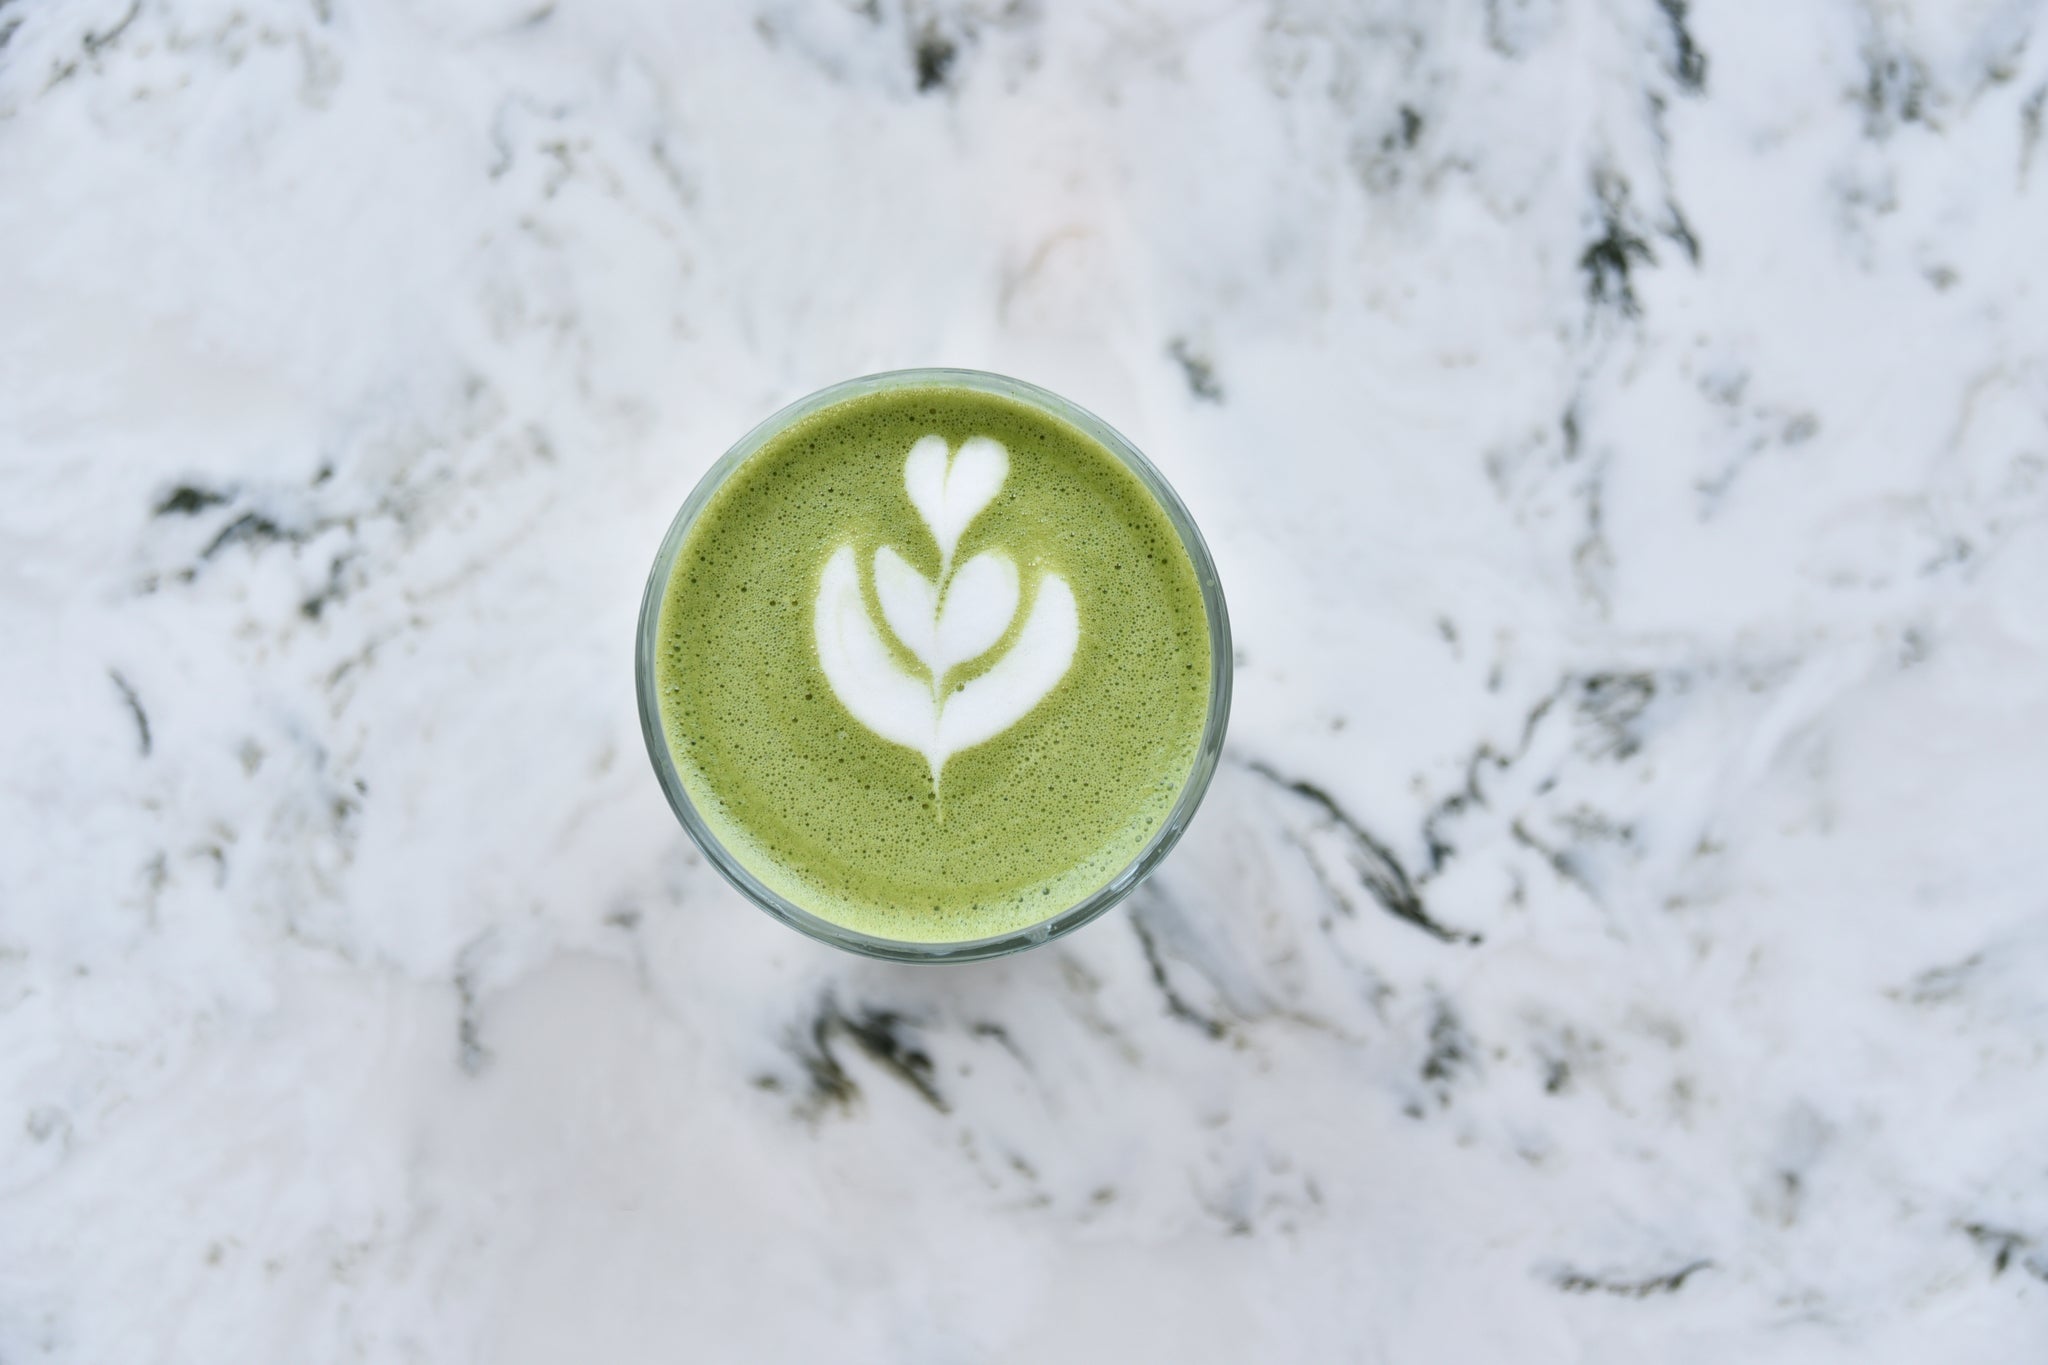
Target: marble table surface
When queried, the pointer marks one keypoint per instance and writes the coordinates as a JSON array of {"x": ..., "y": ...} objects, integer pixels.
[{"x": 1619, "y": 931}]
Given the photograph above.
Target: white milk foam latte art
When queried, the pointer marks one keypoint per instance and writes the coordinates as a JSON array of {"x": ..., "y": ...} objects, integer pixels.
[
  {"x": 934, "y": 666},
  {"x": 943, "y": 624}
]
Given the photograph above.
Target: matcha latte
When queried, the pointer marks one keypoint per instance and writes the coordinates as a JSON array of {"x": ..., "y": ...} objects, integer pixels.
[{"x": 934, "y": 664}]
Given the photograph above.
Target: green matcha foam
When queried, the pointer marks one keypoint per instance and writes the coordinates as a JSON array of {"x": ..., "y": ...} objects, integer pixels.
[{"x": 933, "y": 664}]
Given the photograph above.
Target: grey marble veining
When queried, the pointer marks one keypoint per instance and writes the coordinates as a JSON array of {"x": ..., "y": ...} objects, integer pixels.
[{"x": 1617, "y": 931}]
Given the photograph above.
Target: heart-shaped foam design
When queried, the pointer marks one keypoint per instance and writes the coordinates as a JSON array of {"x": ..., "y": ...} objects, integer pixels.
[
  {"x": 979, "y": 603},
  {"x": 943, "y": 624},
  {"x": 904, "y": 710},
  {"x": 950, "y": 494}
]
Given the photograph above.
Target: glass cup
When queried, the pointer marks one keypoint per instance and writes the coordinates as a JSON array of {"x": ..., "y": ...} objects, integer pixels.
[{"x": 1073, "y": 916}]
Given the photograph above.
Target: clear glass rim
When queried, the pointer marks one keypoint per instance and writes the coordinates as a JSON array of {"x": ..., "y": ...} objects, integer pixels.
[{"x": 966, "y": 950}]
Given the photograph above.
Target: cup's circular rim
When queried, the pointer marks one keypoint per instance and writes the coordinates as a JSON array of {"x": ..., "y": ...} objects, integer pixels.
[{"x": 966, "y": 950}]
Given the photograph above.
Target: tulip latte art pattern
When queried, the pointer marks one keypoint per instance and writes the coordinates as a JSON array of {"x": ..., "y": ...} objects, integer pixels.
[
  {"x": 932, "y": 664},
  {"x": 944, "y": 624}
]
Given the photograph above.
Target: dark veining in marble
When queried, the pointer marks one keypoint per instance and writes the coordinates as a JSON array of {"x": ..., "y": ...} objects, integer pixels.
[
  {"x": 253, "y": 528},
  {"x": 880, "y": 1034},
  {"x": 1603, "y": 713},
  {"x": 1940, "y": 985},
  {"x": 1679, "y": 229},
  {"x": 1578, "y": 1282},
  {"x": 1608, "y": 260},
  {"x": 1485, "y": 756},
  {"x": 2030, "y": 129},
  {"x": 933, "y": 56},
  {"x": 1894, "y": 91},
  {"x": 829, "y": 1083},
  {"x": 1593, "y": 555},
  {"x": 91, "y": 43},
  {"x": 134, "y": 704},
  {"x": 1382, "y": 161},
  {"x": 1754, "y": 429},
  {"x": 97, "y": 42},
  {"x": 1513, "y": 25},
  {"x": 1378, "y": 869},
  {"x": 1612, "y": 703},
  {"x": 46, "y": 1121},
  {"x": 1452, "y": 1051},
  {"x": 334, "y": 590},
  {"x": 1197, "y": 369},
  {"x": 1561, "y": 862},
  {"x": 883, "y": 1034},
  {"x": 1688, "y": 62},
  {"x": 257, "y": 529},
  {"x": 1411, "y": 125},
  {"x": 1176, "y": 1004},
  {"x": 470, "y": 1053},
  {"x": 1000, "y": 1036},
  {"x": 189, "y": 500},
  {"x": 2006, "y": 1245}
]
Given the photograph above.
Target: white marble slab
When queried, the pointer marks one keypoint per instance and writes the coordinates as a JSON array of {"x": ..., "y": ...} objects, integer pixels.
[{"x": 1619, "y": 931}]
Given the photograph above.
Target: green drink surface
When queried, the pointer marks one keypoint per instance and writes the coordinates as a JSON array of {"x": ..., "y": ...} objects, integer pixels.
[{"x": 945, "y": 844}]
